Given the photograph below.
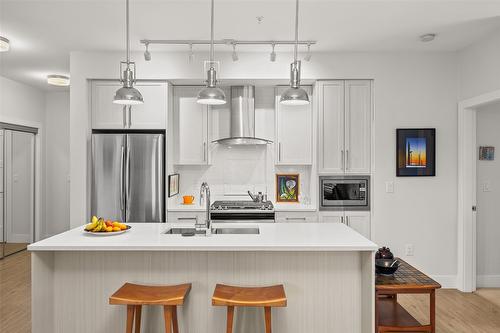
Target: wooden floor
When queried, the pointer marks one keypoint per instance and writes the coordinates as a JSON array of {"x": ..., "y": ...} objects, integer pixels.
[{"x": 456, "y": 312}]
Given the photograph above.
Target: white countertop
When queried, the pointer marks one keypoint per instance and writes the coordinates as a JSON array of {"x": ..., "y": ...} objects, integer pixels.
[{"x": 273, "y": 237}]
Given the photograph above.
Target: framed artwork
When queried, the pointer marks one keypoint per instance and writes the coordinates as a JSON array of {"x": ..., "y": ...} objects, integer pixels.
[
  {"x": 287, "y": 187},
  {"x": 415, "y": 152},
  {"x": 173, "y": 184},
  {"x": 486, "y": 153}
]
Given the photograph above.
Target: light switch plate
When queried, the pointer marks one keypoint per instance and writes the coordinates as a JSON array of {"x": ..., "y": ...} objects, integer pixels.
[
  {"x": 389, "y": 187},
  {"x": 487, "y": 186},
  {"x": 409, "y": 250}
]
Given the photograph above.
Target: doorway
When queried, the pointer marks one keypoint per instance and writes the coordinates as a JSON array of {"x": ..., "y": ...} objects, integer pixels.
[{"x": 17, "y": 188}]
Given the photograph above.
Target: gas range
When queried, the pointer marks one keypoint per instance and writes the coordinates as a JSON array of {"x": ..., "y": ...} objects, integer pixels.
[{"x": 242, "y": 211}]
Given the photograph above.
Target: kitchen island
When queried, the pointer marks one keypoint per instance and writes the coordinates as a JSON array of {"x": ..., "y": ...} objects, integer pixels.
[{"x": 327, "y": 270}]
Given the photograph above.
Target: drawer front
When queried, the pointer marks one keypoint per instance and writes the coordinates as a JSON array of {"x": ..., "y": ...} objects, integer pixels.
[
  {"x": 186, "y": 218},
  {"x": 296, "y": 217}
]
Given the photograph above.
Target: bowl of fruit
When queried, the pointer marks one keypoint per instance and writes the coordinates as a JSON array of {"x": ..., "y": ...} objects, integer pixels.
[{"x": 101, "y": 227}]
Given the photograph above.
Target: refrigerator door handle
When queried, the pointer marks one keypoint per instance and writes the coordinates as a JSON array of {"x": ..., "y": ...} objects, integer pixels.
[
  {"x": 159, "y": 184},
  {"x": 122, "y": 198},
  {"x": 127, "y": 183},
  {"x": 124, "y": 116}
]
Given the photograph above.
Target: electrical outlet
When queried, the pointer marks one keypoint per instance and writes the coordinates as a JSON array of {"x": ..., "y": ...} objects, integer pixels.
[
  {"x": 487, "y": 186},
  {"x": 409, "y": 250},
  {"x": 389, "y": 187}
]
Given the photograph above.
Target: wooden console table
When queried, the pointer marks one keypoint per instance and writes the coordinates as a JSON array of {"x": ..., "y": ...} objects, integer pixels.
[{"x": 390, "y": 316}]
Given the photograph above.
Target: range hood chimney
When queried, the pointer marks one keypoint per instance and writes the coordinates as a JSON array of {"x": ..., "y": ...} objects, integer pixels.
[{"x": 242, "y": 118}]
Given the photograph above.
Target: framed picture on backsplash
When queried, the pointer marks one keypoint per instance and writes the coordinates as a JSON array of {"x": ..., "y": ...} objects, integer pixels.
[
  {"x": 173, "y": 184},
  {"x": 287, "y": 187},
  {"x": 415, "y": 152}
]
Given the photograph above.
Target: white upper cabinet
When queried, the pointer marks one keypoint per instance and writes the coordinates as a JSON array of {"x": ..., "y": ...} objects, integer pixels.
[
  {"x": 344, "y": 121},
  {"x": 293, "y": 132},
  {"x": 150, "y": 115},
  {"x": 331, "y": 126},
  {"x": 358, "y": 121},
  {"x": 190, "y": 126}
]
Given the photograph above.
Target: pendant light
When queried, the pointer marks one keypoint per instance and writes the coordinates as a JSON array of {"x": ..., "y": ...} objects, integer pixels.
[
  {"x": 128, "y": 95},
  {"x": 295, "y": 95},
  {"x": 211, "y": 95}
]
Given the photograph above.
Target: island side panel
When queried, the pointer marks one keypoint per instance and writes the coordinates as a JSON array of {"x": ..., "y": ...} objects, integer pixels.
[
  {"x": 325, "y": 290},
  {"x": 368, "y": 290},
  {"x": 42, "y": 295}
]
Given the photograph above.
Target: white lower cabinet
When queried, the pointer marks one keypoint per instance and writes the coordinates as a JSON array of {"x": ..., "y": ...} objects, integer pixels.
[
  {"x": 296, "y": 217},
  {"x": 189, "y": 218},
  {"x": 359, "y": 221}
]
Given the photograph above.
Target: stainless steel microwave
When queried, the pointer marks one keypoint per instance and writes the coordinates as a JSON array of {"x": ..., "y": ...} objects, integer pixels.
[{"x": 344, "y": 192}]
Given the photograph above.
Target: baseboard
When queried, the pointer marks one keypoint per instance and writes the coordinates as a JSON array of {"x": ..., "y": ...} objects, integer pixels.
[
  {"x": 446, "y": 281},
  {"x": 488, "y": 281}
]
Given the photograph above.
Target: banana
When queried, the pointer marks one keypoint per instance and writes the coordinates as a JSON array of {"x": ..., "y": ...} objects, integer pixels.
[{"x": 100, "y": 224}]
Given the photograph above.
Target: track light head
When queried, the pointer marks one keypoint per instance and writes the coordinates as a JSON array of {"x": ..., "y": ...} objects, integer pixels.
[
  {"x": 147, "y": 54},
  {"x": 234, "y": 55},
  {"x": 272, "y": 56}
]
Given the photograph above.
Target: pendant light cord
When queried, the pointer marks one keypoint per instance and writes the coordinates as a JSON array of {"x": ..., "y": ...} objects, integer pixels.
[
  {"x": 296, "y": 30},
  {"x": 212, "y": 35},
  {"x": 128, "y": 37}
]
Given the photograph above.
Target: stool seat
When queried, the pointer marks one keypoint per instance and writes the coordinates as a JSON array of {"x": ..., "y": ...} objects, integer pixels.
[
  {"x": 273, "y": 296},
  {"x": 136, "y": 294}
]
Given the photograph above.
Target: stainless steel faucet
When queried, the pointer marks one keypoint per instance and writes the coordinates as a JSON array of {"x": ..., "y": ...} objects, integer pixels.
[{"x": 205, "y": 194}]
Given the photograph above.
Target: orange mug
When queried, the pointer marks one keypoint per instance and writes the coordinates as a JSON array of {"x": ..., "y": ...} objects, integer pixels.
[{"x": 188, "y": 199}]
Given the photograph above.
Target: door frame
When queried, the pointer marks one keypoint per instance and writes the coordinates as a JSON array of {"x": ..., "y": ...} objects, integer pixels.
[
  {"x": 466, "y": 233},
  {"x": 38, "y": 168}
]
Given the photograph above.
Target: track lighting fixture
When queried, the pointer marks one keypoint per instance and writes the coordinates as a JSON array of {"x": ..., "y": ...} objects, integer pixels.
[
  {"x": 308, "y": 54},
  {"x": 272, "y": 57},
  {"x": 147, "y": 54},
  {"x": 234, "y": 55}
]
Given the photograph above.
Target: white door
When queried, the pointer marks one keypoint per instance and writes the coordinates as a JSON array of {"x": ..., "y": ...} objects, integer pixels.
[
  {"x": 1, "y": 188},
  {"x": 358, "y": 112},
  {"x": 359, "y": 221},
  {"x": 150, "y": 115},
  {"x": 153, "y": 113},
  {"x": 19, "y": 186},
  {"x": 293, "y": 132},
  {"x": 331, "y": 126},
  {"x": 190, "y": 127},
  {"x": 332, "y": 217}
]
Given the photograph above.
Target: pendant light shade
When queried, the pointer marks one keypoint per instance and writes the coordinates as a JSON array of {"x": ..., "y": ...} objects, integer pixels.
[
  {"x": 295, "y": 95},
  {"x": 211, "y": 95},
  {"x": 127, "y": 95}
]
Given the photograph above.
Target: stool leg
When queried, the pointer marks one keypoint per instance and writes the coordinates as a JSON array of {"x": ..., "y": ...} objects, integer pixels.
[
  {"x": 130, "y": 318},
  {"x": 267, "y": 313},
  {"x": 138, "y": 313},
  {"x": 174, "y": 319},
  {"x": 167, "y": 313},
  {"x": 230, "y": 315}
]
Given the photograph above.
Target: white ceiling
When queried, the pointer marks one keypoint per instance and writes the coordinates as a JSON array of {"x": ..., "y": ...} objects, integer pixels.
[{"x": 44, "y": 32}]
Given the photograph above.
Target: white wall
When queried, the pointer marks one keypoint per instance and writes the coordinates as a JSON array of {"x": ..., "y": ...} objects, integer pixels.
[
  {"x": 488, "y": 197},
  {"x": 410, "y": 90},
  {"x": 57, "y": 163}
]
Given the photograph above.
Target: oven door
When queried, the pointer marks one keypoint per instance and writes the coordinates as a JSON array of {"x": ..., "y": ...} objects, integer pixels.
[{"x": 344, "y": 194}]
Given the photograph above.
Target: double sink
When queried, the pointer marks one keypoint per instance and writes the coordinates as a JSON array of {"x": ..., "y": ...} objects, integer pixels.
[{"x": 217, "y": 231}]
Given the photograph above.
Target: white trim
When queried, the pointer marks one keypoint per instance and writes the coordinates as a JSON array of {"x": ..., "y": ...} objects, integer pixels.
[
  {"x": 488, "y": 281},
  {"x": 38, "y": 167},
  {"x": 446, "y": 281},
  {"x": 466, "y": 233}
]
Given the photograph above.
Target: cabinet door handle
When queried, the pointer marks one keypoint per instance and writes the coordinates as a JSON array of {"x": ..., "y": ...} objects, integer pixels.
[
  {"x": 347, "y": 162},
  {"x": 347, "y": 221},
  {"x": 124, "y": 116},
  {"x": 279, "y": 151},
  {"x": 342, "y": 219},
  {"x": 129, "y": 116},
  {"x": 204, "y": 151},
  {"x": 342, "y": 159},
  {"x": 296, "y": 218},
  {"x": 187, "y": 218}
]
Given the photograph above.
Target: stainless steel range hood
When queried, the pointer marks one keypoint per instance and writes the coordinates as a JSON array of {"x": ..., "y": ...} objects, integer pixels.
[{"x": 242, "y": 118}]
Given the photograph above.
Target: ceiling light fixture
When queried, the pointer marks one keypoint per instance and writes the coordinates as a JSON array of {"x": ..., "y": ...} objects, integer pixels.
[
  {"x": 58, "y": 80},
  {"x": 234, "y": 55},
  {"x": 308, "y": 55},
  {"x": 128, "y": 95},
  {"x": 191, "y": 54},
  {"x": 4, "y": 44},
  {"x": 211, "y": 95},
  {"x": 272, "y": 56},
  {"x": 427, "y": 38},
  {"x": 295, "y": 95},
  {"x": 147, "y": 54}
]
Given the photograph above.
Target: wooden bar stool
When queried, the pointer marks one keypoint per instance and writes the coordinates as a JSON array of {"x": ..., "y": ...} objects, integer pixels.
[
  {"x": 266, "y": 297},
  {"x": 134, "y": 296}
]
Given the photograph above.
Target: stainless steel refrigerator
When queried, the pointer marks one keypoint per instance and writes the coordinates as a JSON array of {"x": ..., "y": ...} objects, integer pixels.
[{"x": 128, "y": 177}]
